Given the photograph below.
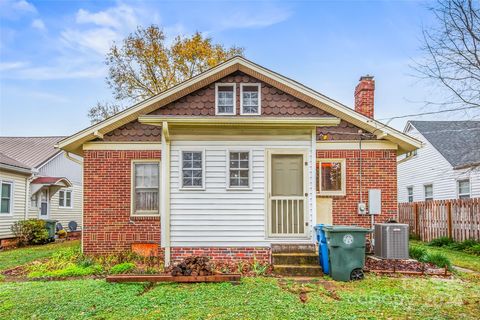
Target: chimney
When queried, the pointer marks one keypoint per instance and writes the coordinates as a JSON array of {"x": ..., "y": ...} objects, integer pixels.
[{"x": 364, "y": 93}]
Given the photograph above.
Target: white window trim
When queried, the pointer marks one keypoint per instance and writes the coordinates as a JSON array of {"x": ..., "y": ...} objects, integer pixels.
[
  {"x": 204, "y": 175},
  {"x": 217, "y": 85},
  {"x": 143, "y": 213},
  {"x": 425, "y": 194},
  {"x": 408, "y": 195},
  {"x": 342, "y": 192},
  {"x": 250, "y": 171},
  {"x": 12, "y": 193},
  {"x": 65, "y": 198},
  {"x": 469, "y": 187},
  {"x": 259, "y": 112}
]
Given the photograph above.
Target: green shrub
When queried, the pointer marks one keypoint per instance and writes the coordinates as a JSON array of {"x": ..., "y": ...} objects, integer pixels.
[
  {"x": 475, "y": 249},
  {"x": 441, "y": 242},
  {"x": 418, "y": 253},
  {"x": 31, "y": 231},
  {"x": 439, "y": 259},
  {"x": 124, "y": 267},
  {"x": 464, "y": 245}
]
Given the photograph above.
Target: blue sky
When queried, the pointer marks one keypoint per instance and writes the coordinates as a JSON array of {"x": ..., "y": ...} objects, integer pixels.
[{"x": 52, "y": 52}]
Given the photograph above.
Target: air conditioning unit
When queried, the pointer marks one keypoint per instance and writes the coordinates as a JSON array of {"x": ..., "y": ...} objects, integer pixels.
[{"x": 391, "y": 240}]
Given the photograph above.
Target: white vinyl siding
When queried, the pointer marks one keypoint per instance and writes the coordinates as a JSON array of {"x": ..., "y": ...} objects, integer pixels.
[
  {"x": 17, "y": 203},
  {"x": 428, "y": 166},
  {"x": 218, "y": 216}
]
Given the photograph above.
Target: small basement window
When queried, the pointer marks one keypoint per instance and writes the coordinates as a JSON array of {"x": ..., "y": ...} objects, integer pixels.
[
  {"x": 65, "y": 198},
  {"x": 463, "y": 189},
  {"x": 145, "y": 193},
  {"x": 250, "y": 98},
  {"x": 428, "y": 190},
  {"x": 6, "y": 195},
  {"x": 239, "y": 169},
  {"x": 331, "y": 177},
  {"x": 225, "y": 99},
  {"x": 192, "y": 170}
]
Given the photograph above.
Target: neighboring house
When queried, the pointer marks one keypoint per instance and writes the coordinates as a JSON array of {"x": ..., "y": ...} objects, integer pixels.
[
  {"x": 38, "y": 181},
  {"x": 446, "y": 167},
  {"x": 231, "y": 162}
]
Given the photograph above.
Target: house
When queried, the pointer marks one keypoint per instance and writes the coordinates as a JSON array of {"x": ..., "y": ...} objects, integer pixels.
[
  {"x": 38, "y": 181},
  {"x": 231, "y": 162},
  {"x": 446, "y": 167}
]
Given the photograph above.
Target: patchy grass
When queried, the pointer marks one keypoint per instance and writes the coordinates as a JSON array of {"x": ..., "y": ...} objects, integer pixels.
[
  {"x": 254, "y": 298},
  {"x": 457, "y": 258},
  {"x": 17, "y": 257}
]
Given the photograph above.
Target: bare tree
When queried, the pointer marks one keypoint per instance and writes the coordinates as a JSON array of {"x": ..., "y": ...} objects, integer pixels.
[{"x": 452, "y": 52}]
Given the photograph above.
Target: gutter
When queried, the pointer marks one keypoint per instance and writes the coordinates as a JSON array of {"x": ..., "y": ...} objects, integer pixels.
[{"x": 69, "y": 157}]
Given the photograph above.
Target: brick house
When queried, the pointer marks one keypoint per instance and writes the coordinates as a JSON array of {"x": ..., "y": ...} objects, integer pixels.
[{"x": 231, "y": 162}]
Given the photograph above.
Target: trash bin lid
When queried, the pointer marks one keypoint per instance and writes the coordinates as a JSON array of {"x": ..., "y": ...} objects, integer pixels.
[{"x": 345, "y": 229}]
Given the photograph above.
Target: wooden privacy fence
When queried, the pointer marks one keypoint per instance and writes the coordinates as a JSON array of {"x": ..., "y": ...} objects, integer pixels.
[{"x": 458, "y": 219}]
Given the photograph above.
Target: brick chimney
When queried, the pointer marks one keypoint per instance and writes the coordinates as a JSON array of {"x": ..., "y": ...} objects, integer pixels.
[{"x": 364, "y": 93}]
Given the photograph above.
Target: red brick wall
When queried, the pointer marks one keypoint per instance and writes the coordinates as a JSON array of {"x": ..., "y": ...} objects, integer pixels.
[
  {"x": 107, "y": 224},
  {"x": 379, "y": 171},
  {"x": 223, "y": 253}
]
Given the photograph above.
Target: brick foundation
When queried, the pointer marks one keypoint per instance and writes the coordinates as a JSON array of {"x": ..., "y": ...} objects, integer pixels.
[
  {"x": 262, "y": 254},
  {"x": 379, "y": 171},
  {"x": 107, "y": 224}
]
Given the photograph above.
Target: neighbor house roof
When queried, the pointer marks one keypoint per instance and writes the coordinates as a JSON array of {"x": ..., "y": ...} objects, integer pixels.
[
  {"x": 457, "y": 141},
  {"x": 29, "y": 151},
  {"x": 74, "y": 143},
  {"x": 11, "y": 164}
]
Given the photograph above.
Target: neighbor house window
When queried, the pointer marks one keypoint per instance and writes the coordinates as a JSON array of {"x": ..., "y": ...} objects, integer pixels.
[
  {"x": 410, "y": 194},
  {"x": 65, "y": 198},
  {"x": 428, "y": 190},
  {"x": 331, "y": 177},
  {"x": 239, "y": 169},
  {"x": 34, "y": 201},
  {"x": 146, "y": 187},
  {"x": 192, "y": 169},
  {"x": 250, "y": 98},
  {"x": 463, "y": 188},
  {"x": 6, "y": 197},
  {"x": 225, "y": 98}
]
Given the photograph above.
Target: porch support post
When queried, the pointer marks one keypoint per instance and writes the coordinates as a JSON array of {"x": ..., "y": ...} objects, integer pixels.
[
  {"x": 165, "y": 193},
  {"x": 313, "y": 179}
]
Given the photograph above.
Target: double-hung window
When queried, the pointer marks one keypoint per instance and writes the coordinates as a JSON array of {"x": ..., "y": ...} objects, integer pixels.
[
  {"x": 239, "y": 170},
  {"x": 410, "y": 194},
  {"x": 6, "y": 197},
  {"x": 463, "y": 188},
  {"x": 331, "y": 177},
  {"x": 225, "y": 98},
  {"x": 65, "y": 198},
  {"x": 250, "y": 98},
  {"x": 145, "y": 188},
  {"x": 192, "y": 169},
  {"x": 428, "y": 191}
]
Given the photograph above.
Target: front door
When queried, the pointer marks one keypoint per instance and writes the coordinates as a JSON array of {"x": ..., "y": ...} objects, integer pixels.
[
  {"x": 44, "y": 204},
  {"x": 287, "y": 195}
]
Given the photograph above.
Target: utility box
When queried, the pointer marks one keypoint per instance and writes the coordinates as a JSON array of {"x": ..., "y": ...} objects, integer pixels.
[
  {"x": 391, "y": 240},
  {"x": 374, "y": 201}
]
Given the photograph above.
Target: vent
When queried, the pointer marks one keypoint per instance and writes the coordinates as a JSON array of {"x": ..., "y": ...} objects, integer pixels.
[{"x": 391, "y": 240}]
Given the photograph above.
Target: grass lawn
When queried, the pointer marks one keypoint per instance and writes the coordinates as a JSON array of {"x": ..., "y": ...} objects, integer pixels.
[
  {"x": 18, "y": 257},
  {"x": 458, "y": 258}
]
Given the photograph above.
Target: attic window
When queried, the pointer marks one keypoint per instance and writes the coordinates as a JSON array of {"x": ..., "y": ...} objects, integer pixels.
[
  {"x": 250, "y": 98},
  {"x": 225, "y": 99}
]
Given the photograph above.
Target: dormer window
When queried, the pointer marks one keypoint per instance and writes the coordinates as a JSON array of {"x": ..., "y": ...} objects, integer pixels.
[
  {"x": 225, "y": 98},
  {"x": 250, "y": 99}
]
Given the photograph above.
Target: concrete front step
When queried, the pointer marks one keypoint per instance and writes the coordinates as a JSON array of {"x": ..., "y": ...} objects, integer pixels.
[
  {"x": 294, "y": 270},
  {"x": 293, "y": 248},
  {"x": 305, "y": 258}
]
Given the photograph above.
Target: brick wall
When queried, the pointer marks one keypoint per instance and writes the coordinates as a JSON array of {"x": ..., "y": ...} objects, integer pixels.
[
  {"x": 107, "y": 224},
  {"x": 223, "y": 254},
  {"x": 379, "y": 171}
]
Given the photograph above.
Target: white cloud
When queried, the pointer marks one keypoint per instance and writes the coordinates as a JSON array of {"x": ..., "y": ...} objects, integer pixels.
[
  {"x": 25, "y": 6},
  {"x": 12, "y": 10},
  {"x": 254, "y": 17},
  {"x": 39, "y": 24},
  {"x": 97, "y": 40},
  {"x": 6, "y": 66},
  {"x": 116, "y": 17}
]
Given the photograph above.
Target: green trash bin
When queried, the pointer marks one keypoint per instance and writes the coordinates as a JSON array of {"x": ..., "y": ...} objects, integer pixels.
[
  {"x": 346, "y": 245},
  {"x": 50, "y": 226}
]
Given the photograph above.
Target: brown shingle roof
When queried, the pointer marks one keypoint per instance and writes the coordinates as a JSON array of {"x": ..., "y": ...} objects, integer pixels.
[{"x": 29, "y": 151}]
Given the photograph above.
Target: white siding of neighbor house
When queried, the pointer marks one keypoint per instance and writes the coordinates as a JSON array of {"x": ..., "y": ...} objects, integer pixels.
[
  {"x": 217, "y": 216},
  {"x": 430, "y": 167},
  {"x": 18, "y": 207}
]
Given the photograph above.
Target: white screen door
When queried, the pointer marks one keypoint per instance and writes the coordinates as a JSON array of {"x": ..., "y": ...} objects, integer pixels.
[
  {"x": 43, "y": 204},
  {"x": 287, "y": 197}
]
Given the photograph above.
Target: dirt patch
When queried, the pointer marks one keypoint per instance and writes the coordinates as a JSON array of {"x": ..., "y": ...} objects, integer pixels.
[
  {"x": 303, "y": 286},
  {"x": 407, "y": 267}
]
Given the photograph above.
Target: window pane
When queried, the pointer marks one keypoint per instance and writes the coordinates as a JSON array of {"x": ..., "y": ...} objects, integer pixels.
[
  {"x": 61, "y": 198},
  {"x": 464, "y": 186},
  {"x": 192, "y": 168},
  {"x": 68, "y": 199},
  {"x": 331, "y": 178},
  {"x": 225, "y": 99},
  {"x": 146, "y": 187},
  {"x": 239, "y": 169},
  {"x": 146, "y": 200},
  {"x": 6, "y": 190},
  {"x": 250, "y": 99},
  {"x": 5, "y": 206}
]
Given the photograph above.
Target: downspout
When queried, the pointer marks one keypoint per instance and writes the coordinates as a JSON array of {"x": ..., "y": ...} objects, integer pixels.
[{"x": 165, "y": 213}]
